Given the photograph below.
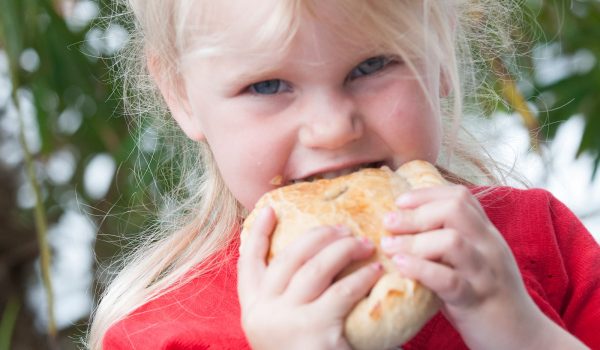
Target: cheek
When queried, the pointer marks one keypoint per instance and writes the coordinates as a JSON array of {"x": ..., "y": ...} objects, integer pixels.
[
  {"x": 405, "y": 119},
  {"x": 243, "y": 167},
  {"x": 247, "y": 160},
  {"x": 250, "y": 150}
]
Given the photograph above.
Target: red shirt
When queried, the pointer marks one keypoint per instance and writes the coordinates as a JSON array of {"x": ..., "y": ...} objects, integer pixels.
[{"x": 558, "y": 258}]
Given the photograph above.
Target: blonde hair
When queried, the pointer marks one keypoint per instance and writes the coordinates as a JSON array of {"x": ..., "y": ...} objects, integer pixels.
[{"x": 201, "y": 216}]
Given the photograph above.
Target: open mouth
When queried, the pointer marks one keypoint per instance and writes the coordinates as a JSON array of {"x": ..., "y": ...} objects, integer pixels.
[{"x": 340, "y": 172}]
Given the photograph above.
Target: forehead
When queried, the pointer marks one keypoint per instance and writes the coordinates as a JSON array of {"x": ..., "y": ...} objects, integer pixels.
[{"x": 254, "y": 28}]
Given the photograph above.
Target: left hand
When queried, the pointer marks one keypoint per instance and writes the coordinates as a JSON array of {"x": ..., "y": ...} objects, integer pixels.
[
  {"x": 443, "y": 238},
  {"x": 295, "y": 301}
]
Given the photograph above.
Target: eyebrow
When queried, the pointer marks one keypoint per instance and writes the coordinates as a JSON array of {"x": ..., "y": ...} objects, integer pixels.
[
  {"x": 253, "y": 73},
  {"x": 253, "y": 69},
  {"x": 232, "y": 82}
]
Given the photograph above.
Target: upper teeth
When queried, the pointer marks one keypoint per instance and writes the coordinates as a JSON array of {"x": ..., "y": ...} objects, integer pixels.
[{"x": 334, "y": 174}]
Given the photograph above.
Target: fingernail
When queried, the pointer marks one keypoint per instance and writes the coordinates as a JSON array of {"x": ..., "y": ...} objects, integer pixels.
[
  {"x": 390, "y": 218},
  {"x": 399, "y": 259},
  {"x": 377, "y": 266}
]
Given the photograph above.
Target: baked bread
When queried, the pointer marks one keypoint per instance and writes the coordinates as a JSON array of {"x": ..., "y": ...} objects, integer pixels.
[{"x": 396, "y": 307}]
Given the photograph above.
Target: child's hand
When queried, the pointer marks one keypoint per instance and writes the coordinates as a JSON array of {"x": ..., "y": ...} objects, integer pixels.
[
  {"x": 292, "y": 303},
  {"x": 461, "y": 256}
]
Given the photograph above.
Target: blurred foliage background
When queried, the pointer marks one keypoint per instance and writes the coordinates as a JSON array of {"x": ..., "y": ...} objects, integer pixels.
[{"x": 61, "y": 123}]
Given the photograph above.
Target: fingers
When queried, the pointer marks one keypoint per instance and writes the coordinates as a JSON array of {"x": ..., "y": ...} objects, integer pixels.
[
  {"x": 283, "y": 267},
  {"x": 251, "y": 263},
  {"x": 418, "y": 197},
  {"x": 444, "y": 281},
  {"x": 453, "y": 207},
  {"x": 313, "y": 278},
  {"x": 341, "y": 297},
  {"x": 444, "y": 239},
  {"x": 446, "y": 245}
]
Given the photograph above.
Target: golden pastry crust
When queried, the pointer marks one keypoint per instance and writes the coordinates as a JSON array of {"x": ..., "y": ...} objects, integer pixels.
[{"x": 397, "y": 307}]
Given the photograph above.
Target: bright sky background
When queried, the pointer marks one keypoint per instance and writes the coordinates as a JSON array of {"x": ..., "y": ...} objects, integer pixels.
[{"x": 567, "y": 178}]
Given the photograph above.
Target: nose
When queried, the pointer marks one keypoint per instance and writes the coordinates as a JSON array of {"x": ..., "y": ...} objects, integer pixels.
[{"x": 331, "y": 121}]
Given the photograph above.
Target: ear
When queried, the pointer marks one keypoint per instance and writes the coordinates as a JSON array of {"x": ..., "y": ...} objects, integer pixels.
[{"x": 176, "y": 97}]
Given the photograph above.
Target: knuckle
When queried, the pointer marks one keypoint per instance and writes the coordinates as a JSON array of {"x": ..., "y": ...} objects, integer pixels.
[
  {"x": 349, "y": 243},
  {"x": 461, "y": 199},
  {"x": 320, "y": 232},
  {"x": 343, "y": 290},
  {"x": 463, "y": 193},
  {"x": 457, "y": 205},
  {"x": 453, "y": 284},
  {"x": 478, "y": 259},
  {"x": 490, "y": 274},
  {"x": 455, "y": 241},
  {"x": 313, "y": 268},
  {"x": 349, "y": 247},
  {"x": 497, "y": 253}
]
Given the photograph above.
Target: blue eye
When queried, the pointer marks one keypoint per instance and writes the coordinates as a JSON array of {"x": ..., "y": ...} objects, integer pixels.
[
  {"x": 370, "y": 66},
  {"x": 268, "y": 87}
]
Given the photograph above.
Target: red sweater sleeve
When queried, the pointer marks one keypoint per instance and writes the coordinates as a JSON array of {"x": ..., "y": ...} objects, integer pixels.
[
  {"x": 581, "y": 260},
  {"x": 558, "y": 258}
]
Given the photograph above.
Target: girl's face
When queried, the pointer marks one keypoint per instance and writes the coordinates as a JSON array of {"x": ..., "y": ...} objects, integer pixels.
[{"x": 323, "y": 107}]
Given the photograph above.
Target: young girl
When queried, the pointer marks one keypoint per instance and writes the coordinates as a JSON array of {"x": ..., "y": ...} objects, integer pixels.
[{"x": 292, "y": 89}]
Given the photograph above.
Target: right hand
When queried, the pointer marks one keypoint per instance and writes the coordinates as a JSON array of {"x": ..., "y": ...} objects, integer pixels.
[{"x": 294, "y": 302}]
